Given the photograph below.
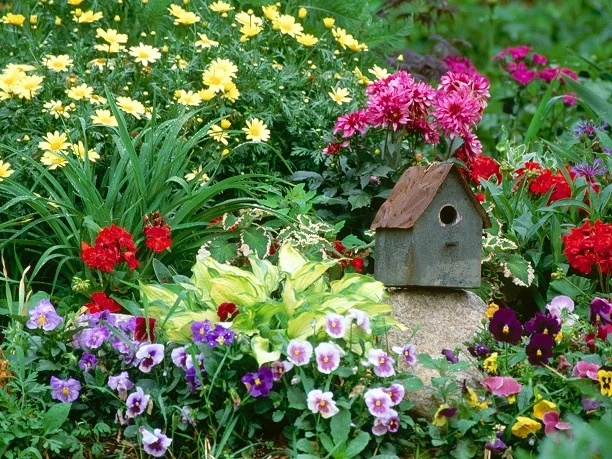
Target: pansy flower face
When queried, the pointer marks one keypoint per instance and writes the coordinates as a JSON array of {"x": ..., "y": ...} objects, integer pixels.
[
  {"x": 408, "y": 353},
  {"x": 505, "y": 327},
  {"x": 199, "y": 331},
  {"x": 322, "y": 402},
  {"x": 328, "y": 357},
  {"x": 335, "y": 325},
  {"x": 44, "y": 316},
  {"x": 65, "y": 390},
  {"x": 543, "y": 323},
  {"x": 149, "y": 355},
  {"x": 604, "y": 376},
  {"x": 155, "y": 443},
  {"x": 259, "y": 383},
  {"x": 137, "y": 403},
  {"x": 299, "y": 352},
  {"x": 382, "y": 363},
  {"x": 539, "y": 349},
  {"x": 378, "y": 402}
]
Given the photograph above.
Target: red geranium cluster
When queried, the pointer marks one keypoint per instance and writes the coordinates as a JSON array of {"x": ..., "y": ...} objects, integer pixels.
[
  {"x": 113, "y": 245},
  {"x": 525, "y": 66},
  {"x": 355, "y": 262},
  {"x": 589, "y": 246},
  {"x": 158, "y": 236},
  {"x": 482, "y": 167},
  {"x": 542, "y": 180},
  {"x": 100, "y": 302}
]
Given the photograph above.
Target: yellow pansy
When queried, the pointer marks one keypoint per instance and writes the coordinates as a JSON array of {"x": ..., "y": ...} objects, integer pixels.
[
  {"x": 542, "y": 407},
  {"x": 525, "y": 426}
]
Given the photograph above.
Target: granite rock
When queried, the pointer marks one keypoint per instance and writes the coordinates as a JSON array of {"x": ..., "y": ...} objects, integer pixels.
[{"x": 445, "y": 319}]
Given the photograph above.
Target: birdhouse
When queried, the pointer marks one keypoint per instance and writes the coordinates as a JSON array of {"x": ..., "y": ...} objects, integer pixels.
[{"x": 429, "y": 231}]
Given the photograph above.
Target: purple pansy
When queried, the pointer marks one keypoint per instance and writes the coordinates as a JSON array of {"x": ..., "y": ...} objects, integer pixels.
[
  {"x": 408, "y": 352},
  {"x": 65, "y": 390},
  {"x": 88, "y": 361},
  {"x": 299, "y": 352},
  {"x": 505, "y": 327},
  {"x": 378, "y": 402},
  {"x": 600, "y": 312},
  {"x": 497, "y": 446},
  {"x": 586, "y": 370},
  {"x": 137, "y": 403},
  {"x": 396, "y": 392},
  {"x": 335, "y": 325},
  {"x": 179, "y": 357},
  {"x": 361, "y": 318},
  {"x": 279, "y": 369},
  {"x": 199, "y": 331},
  {"x": 149, "y": 355},
  {"x": 322, "y": 402},
  {"x": 219, "y": 335},
  {"x": 388, "y": 423},
  {"x": 543, "y": 323},
  {"x": 450, "y": 356},
  {"x": 589, "y": 404},
  {"x": 155, "y": 443},
  {"x": 382, "y": 363},
  {"x": 479, "y": 350},
  {"x": 259, "y": 383},
  {"x": 44, "y": 316},
  {"x": 539, "y": 349},
  {"x": 328, "y": 357},
  {"x": 93, "y": 338},
  {"x": 121, "y": 383}
]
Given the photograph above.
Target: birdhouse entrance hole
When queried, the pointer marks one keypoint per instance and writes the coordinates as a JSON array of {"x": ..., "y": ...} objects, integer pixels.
[{"x": 448, "y": 215}]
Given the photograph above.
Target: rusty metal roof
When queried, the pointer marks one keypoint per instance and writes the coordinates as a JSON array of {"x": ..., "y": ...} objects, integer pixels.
[{"x": 415, "y": 191}]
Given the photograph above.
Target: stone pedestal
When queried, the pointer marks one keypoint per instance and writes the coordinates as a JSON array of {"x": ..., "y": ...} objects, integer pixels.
[{"x": 445, "y": 319}]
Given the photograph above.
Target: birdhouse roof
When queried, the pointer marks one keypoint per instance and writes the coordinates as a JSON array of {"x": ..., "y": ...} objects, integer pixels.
[{"x": 415, "y": 191}]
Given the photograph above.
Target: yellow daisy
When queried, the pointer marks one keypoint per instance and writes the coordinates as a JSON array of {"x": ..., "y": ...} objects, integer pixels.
[
  {"x": 53, "y": 160},
  {"x": 286, "y": 25},
  {"x": 61, "y": 63},
  {"x": 54, "y": 141},
  {"x": 245, "y": 18},
  {"x": 75, "y": 2},
  {"x": 80, "y": 92},
  {"x": 27, "y": 86},
  {"x": 183, "y": 17},
  {"x": 218, "y": 134},
  {"x": 131, "y": 107},
  {"x": 5, "y": 170},
  {"x": 86, "y": 17},
  {"x": 205, "y": 42},
  {"x": 249, "y": 30},
  {"x": 114, "y": 40},
  {"x": 270, "y": 12},
  {"x": 379, "y": 72},
  {"x": 340, "y": 95},
  {"x": 220, "y": 7},
  {"x": 197, "y": 174},
  {"x": 79, "y": 150},
  {"x": 105, "y": 118},
  {"x": 206, "y": 94},
  {"x": 362, "y": 78},
  {"x": 145, "y": 54},
  {"x": 307, "y": 39},
  {"x": 55, "y": 108},
  {"x": 329, "y": 22},
  {"x": 13, "y": 19},
  {"x": 189, "y": 98},
  {"x": 97, "y": 100},
  {"x": 256, "y": 130},
  {"x": 230, "y": 91}
]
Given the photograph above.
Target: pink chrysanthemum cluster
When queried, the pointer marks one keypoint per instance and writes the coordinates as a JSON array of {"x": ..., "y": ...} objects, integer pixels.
[
  {"x": 524, "y": 66},
  {"x": 398, "y": 102}
]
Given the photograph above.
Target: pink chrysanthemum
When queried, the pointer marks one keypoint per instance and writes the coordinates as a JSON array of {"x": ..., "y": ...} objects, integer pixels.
[
  {"x": 457, "y": 111},
  {"x": 471, "y": 147},
  {"x": 420, "y": 100},
  {"x": 476, "y": 84},
  {"x": 460, "y": 64},
  {"x": 352, "y": 122}
]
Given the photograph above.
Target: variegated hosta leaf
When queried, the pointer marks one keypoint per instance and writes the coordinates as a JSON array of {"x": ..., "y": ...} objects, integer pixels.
[
  {"x": 261, "y": 348},
  {"x": 238, "y": 290},
  {"x": 289, "y": 259},
  {"x": 158, "y": 293},
  {"x": 268, "y": 274},
  {"x": 304, "y": 276},
  {"x": 360, "y": 284}
]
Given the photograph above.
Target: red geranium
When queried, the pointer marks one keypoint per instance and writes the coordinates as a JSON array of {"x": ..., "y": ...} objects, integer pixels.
[
  {"x": 157, "y": 234},
  {"x": 541, "y": 181},
  {"x": 113, "y": 245},
  {"x": 227, "y": 311},
  {"x": 140, "y": 329},
  {"x": 483, "y": 167},
  {"x": 589, "y": 246},
  {"x": 101, "y": 302},
  {"x": 357, "y": 263}
]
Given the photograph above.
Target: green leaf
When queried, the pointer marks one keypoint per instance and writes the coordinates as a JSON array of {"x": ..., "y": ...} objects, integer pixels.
[
  {"x": 340, "y": 427},
  {"x": 56, "y": 416},
  {"x": 289, "y": 259},
  {"x": 296, "y": 398},
  {"x": 592, "y": 100},
  {"x": 465, "y": 424},
  {"x": 518, "y": 269},
  {"x": 261, "y": 349},
  {"x": 540, "y": 114},
  {"x": 257, "y": 240},
  {"x": 357, "y": 445},
  {"x": 303, "y": 444},
  {"x": 222, "y": 251},
  {"x": 278, "y": 416},
  {"x": 359, "y": 200}
]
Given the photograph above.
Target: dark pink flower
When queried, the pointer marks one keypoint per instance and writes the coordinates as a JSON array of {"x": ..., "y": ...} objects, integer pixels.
[
  {"x": 552, "y": 423},
  {"x": 476, "y": 84},
  {"x": 585, "y": 370},
  {"x": 571, "y": 98},
  {"x": 457, "y": 111},
  {"x": 538, "y": 59},
  {"x": 548, "y": 74},
  {"x": 503, "y": 386},
  {"x": 516, "y": 52},
  {"x": 460, "y": 64},
  {"x": 352, "y": 122},
  {"x": 523, "y": 75}
]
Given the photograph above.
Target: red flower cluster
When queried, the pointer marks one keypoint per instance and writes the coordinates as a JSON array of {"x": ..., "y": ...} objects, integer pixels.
[
  {"x": 158, "y": 236},
  {"x": 542, "y": 180},
  {"x": 355, "y": 262},
  {"x": 101, "y": 302},
  {"x": 113, "y": 245},
  {"x": 227, "y": 311},
  {"x": 483, "y": 167},
  {"x": 589, "y": 246}
]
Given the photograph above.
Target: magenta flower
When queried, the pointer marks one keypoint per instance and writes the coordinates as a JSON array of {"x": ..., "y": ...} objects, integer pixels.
[
  {"x": 279, "y": 369},
  {"x": 383, "y": 364},
  {"x": 408, "y": 352},
  {"x": 553, "y": 424},
  {"x": 155, "y": 443},
  {"x": 137, "y": 403},
  {"x": 548, "y": 74},
  {"x": 516, "y": 52},
  {"x": 378, "y": 402},
  {"x": 543, "y": 323},
  {"x": 322, "y": 402},
  {"x": 502, "y": 386},
  {"x": 457, "y": 111},
  {"x": 299, "y": 352},
  {"x": 539, "y": 349},
  {"x": 387, "y": 423},
  {"x": 571, "y": 98},
  {"x": 600, "y": 312},
  {"x": 259, "y": 383},
  {"x": 93, "y": 338},
  {"x": 539, "y": 59},
  {"x": 352, "y": 122},
  {"x": 362, "y": 319},
  {"x": 65, "y": 390},
  {"x": 328, "y": 357},
  {"x": 523, "y": 74},
  {"x": 586, "y": 370},
  {"x": 505, "y": 327},
  {"x": 199, "y": 331},
  {"x": 121, "y": 383},
  {"x": 44, "y": 316},
  {"x": 149, "y": 355},
  {"x": 88, "y": 361},
  {"x": 396, "y": 392},
  {"x": 179, "y": 357},
  {"x": 335, "y": 325},
  {"x": 476, "y": 85}
]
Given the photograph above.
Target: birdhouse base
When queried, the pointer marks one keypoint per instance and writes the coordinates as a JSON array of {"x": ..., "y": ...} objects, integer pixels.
[{"x": 446, "y": 319}]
